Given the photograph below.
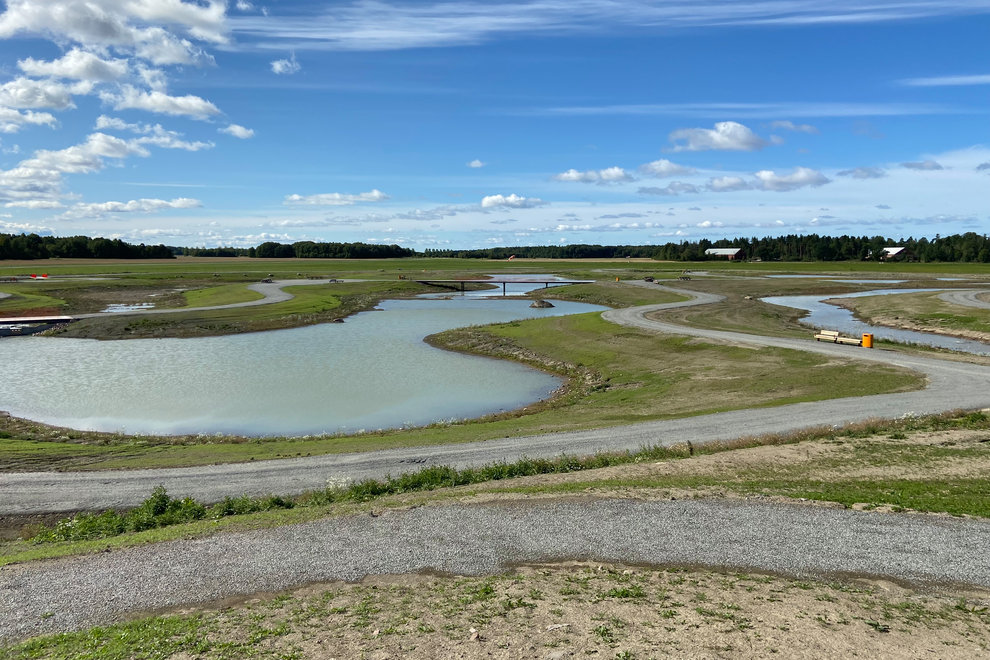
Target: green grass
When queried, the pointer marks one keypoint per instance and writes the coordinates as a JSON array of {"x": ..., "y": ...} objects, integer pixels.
[
  {"x": 225, "y": 294},
  {"x": 21, "y": 300}
]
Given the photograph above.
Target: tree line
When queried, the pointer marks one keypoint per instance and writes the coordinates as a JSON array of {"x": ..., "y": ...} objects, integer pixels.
[
  {"x": 968, "y": 247},
  {"x": 33, "y": 246}
]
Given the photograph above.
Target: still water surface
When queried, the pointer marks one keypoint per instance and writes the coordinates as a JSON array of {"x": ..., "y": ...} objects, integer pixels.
[
  {"x": 374, "y": 371},
  {"x": 832, "y": 317}
]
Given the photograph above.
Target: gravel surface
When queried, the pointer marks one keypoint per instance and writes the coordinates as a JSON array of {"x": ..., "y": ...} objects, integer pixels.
[
  {"x": 952, "y": 386},
  {"x": 797, "y": 540},
  {"x": 965, "y": 297}
]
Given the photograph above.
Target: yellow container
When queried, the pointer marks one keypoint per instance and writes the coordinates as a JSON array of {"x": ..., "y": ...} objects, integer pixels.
[{"x": 867, "y": 340}]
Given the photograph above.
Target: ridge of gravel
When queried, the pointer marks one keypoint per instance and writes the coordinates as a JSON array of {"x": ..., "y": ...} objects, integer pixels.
[{"x": 476, "y": 539}]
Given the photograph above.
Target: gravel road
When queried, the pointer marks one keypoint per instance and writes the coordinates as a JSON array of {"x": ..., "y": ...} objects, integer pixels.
[
  {"x": 951, "y": 386},
  {"x": 792, "y": 539},
  {"x": 966, "y": 297}
]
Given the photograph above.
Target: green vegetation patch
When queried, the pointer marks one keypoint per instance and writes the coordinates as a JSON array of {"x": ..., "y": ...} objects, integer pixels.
[{"x": 224, "y": 294}]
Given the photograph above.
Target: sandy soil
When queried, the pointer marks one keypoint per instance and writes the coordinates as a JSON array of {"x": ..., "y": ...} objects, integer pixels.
[{"x": 588, "y": 610}]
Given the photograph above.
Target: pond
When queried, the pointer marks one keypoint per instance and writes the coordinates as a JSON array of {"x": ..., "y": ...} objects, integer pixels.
[
  {"x": 373, "y": 371},
  {"x": 832, "y": 317}
]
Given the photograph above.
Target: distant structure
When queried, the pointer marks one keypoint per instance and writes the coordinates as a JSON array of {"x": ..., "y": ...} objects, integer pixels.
[
  {"x": 729, "y": 253},
  {"x": 897, "y": 254}
]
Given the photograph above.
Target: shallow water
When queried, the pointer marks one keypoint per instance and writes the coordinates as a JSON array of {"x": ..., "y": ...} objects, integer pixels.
[
  {"x": 832, "y": 317},
  {"x": 373, "y": 371}
]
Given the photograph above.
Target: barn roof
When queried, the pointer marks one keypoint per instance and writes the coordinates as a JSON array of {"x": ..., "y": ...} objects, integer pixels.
[{"x": 723, "y": 252}]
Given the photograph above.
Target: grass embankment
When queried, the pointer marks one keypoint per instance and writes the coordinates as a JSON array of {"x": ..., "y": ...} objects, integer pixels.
[
  {"x": 616, "y": 376},
  {"x": 320, "y": 303},
  {"x": 225, "y": 294},
  {"x": 922, "y": 311},
  {"x": 550, "y": 611}
]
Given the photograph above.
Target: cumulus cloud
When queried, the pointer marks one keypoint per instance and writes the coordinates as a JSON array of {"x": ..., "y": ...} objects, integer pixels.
[
  {"x": 160, "y": 102},
  {"x": 86, "y": 157},
  {"x": 335, "y": 199},
  {"x": 663, "y": 168},
  {"x": 286, "y": 67},
  {"x": 727, "y": 184},
  {"x": 671, "y": 189},
  {"x": 34, "y": 204},
  {"x": 864, "y": 173},
  {"x": 28, "y": 93},
  {"x": 801, "y": 177},
  {"x": 238, "y": 131},
  {"x": 791, "y": 126},
  {"x": 102, "y": 209},
  {"x": 475, "y": 164},
  {"x": 153, "y": 134},
  {"x": 928, "y": 165},
  {"x": 726, "y": 136},
  {"x": 78, "y": 65},
  {"x": 128, "y": 26},
  {"x": 608, "y": 175},
  {"x": 12, "y": 120},
  {"x": 512, "y": 201}
]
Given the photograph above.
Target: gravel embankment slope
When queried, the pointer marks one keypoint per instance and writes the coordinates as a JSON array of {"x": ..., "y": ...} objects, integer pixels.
[{"x": 800, "y": 540}]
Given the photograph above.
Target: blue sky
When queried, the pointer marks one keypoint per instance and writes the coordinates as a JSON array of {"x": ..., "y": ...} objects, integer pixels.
[{"x": 472, "y": 124}]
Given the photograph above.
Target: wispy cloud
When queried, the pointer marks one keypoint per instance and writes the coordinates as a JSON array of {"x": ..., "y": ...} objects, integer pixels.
[
  {"x": 371, "y": 26},
  {"x": 753, "y": 110},
  {"x": 948, "y": 81}
]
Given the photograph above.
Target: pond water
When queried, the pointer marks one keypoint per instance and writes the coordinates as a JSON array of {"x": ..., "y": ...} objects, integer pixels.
[
  {"x": 832, "y": 317},
  {"x": 373, "y": 371}
]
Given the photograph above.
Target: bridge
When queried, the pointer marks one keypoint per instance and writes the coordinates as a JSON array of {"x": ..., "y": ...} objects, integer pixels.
[{"x": 458, "y": 285}]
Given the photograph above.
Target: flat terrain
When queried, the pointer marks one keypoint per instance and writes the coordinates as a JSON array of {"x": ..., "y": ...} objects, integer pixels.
[{"x": 803, "y": 549}]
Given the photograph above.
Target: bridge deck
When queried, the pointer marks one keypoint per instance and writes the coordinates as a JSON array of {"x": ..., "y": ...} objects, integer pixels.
[{"x": 459, "y": 284}]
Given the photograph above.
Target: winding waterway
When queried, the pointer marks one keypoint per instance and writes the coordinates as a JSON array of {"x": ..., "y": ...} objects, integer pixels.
[
  {"x": 832, "y": 317},
  {"x": 371, "y": 372}
]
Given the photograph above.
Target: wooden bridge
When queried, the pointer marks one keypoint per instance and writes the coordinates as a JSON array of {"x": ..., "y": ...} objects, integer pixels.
[{"x": 458, "y": 285}]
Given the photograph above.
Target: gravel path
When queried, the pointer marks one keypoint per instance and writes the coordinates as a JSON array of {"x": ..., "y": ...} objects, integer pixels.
[
  {"x": 272, "y": 292},
  {"x": 966, "y": 297},
  {"x": 952, "y": 385},
  {"x": 799, "y": 540}
]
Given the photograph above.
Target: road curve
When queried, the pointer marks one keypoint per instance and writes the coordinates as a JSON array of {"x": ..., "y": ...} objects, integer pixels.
[
  {"x": 792, "y": 539},
  {"x": 272, "y": 292},
  {"x": 951, "y": 386},
  {"x": 966, "y": 297}
]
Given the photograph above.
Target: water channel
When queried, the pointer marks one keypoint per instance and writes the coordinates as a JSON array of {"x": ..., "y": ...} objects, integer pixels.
[
  {"x": 373, "y": 371},
  {"x": 832, "y": 317}
]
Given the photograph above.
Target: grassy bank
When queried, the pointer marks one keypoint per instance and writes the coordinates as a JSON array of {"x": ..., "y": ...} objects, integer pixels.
[
  {"x": 616, "y": 376},
  {"x": 922, "y": 311}
]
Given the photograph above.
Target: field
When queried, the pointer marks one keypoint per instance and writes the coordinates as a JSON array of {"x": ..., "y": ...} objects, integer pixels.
[{"x": 922, "y": 467}]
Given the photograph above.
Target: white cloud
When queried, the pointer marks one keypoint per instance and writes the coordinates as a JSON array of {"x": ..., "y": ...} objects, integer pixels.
[
  {"x": 928, "y": 165},
  {"x": 76, "y": 64},
  {"x": 86, "y": 157},
  {"x": 948, "y": 81},
  {"x": 673, "y": 188},
  {"x": 12, "y": 120},
  {"x": 607, "y": 175},
  {"x": 864, "y": 173},
  {"x": 238, "y": 131},
  {"x": 386, "y": 25},
  {"x": 663, "y": 168},
  {"x": 102, "y": 209},
  {"x": 153, "y": 134},
  {"x": 791, "y": 126},
  {"x": 726, "y": 136},
  {"x": 28, "y": 93},
  {"x": 155, "y": 101},
  {"x": 121, "y": 24},
  {"x": 336, "y": 199},
  {"x": 475, "y": 163},
  {"x": 801, "y": 177},
  {"x": 512, "y": 201},
  {"x": 727, "y": 184},
  {"x": 25, "y": 228},
  {"x": 286, "y": 67},
  {"x": 34, "y": 204},
  {"x": 244, "y": 5}
]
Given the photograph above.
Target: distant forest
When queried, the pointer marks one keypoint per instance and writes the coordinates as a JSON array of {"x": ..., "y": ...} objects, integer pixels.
[
  {"x": 32, "y": 246},
  {"x": 968, "y": 247}
]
